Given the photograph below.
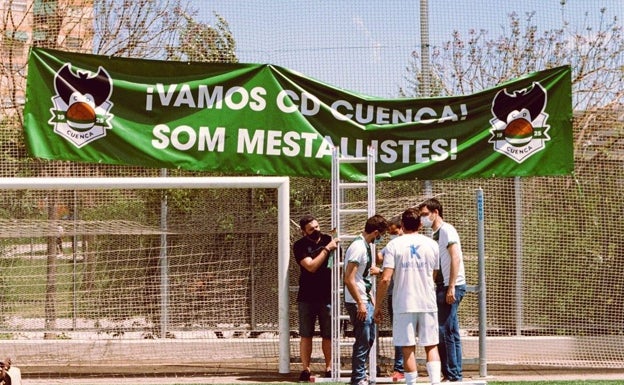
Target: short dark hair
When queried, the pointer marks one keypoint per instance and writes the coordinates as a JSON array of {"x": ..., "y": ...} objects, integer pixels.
[
  {"x": 432, "y": 204},
  {"x": 411, "y": 219},
  {"x": 376, "y": 222},
  {"x": 303, "y": 222},
  {"x": 395, "y": 221}
]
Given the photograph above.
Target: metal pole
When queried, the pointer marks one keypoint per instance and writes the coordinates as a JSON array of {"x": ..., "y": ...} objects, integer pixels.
[
  {"x": 335, "y": 268},
  {"x": 482, "y": 287},
  {"x": 74, "y": 266},
  {"x": 164, "y": 265},
  {"x": 518, "y": 233},
  {"x": 425, "y": 65},
  {"x": 252, "y": 276},
  {"x": 283, "y": 251},
  {"x": 370, "y": 182}
]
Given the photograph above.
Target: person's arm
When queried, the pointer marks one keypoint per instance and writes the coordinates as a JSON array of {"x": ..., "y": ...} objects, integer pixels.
[
  {"x": 379, "y": 257},
  {"x": 453, "y": 250},
  {"x": 312, "y": 264},
  {"x": 382, "y": 289},
  {"x": 349, "y": 281},
  {"x": 374, "y": 270}
]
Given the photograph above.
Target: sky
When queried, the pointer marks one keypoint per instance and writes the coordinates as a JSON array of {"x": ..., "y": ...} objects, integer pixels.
[{"x": 365, "y": 46}]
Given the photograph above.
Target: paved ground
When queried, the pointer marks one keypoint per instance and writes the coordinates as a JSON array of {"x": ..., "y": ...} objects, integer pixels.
[{"x": 521, "y": 374}]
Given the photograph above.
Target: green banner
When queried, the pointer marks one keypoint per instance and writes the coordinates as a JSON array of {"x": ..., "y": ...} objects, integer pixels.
[{"x": 263, "y": 119}]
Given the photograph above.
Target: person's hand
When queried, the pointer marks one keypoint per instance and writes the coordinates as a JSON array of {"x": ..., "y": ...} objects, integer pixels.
[
  {"x": 333, "y": 244},
  {"x": 378, "y": 315},
  {"x": 450, "y": 295},
  {"x": 361, "y": 311}
]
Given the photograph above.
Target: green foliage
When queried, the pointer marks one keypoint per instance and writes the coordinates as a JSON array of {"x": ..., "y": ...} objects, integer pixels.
[
  {"x": 304, "y": 194},
  {"x": 118, "y": 207}
]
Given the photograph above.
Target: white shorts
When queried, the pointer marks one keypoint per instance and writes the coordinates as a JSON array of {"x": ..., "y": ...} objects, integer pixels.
[{"x": 407, "y": 327}]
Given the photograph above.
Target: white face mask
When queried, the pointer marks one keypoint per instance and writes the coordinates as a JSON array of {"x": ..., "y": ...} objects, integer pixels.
[
  {"x": 426, "y": 221},
  {"x": 393, "y": 236}
]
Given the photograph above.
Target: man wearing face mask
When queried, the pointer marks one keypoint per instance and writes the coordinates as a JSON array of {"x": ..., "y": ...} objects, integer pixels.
[
  {"x": 395, "y": 229},
  {"x": 359, "y": 301},
  {"x": 312, "y": 253},
  {"x": 451, "y": 287}
]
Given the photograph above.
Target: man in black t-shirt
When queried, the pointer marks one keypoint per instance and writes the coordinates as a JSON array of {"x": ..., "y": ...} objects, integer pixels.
[{"x": 312, "y": 253}]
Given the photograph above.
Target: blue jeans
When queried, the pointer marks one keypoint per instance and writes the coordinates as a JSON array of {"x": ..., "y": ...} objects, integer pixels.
[
  {"x": 364, "y": 333},
  {"x": 398, "y": 350},
  {"x": 450, "y": 342}
]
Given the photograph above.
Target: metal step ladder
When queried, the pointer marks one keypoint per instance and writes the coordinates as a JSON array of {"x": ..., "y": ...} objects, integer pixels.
[{"x": 342, "y": 209}]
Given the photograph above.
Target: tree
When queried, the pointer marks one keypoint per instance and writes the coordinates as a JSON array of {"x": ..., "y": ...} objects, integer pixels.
[
  {"x": 204, "y": 43},
  {"x": 160, "y": 29},
  {"x": 470, "y": 64},
  {"x": 147, "y": 29},
  {"x": 138, "y": 28},
  {"x": 465, "y": 65}
]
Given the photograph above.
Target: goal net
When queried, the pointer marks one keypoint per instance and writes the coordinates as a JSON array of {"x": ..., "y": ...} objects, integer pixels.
[
  {"x": 133, "y": 271},
  {"x": 84, "y": 286}
]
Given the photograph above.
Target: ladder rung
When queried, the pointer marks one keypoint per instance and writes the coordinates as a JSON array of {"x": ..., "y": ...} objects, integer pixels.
[
  {"x": 348, "y": 185},
  {"x": 353, "y": 211},
  {"x": 351, "y": 159},
  {"x": 342, "y": 207},
  {"x": 345, "y": 371}
]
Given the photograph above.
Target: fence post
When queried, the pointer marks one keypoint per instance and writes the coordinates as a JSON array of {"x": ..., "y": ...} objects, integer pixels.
[{"x": 482, "y": 292}]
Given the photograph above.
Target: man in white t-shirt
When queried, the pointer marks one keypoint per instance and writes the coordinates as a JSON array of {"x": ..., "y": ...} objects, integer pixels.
[
  {"x": 451, "y": 287},
  {"x": 358, "y": 294},
  {"x": 410, "y": 260},
  {"x": 395, "y": 229}
]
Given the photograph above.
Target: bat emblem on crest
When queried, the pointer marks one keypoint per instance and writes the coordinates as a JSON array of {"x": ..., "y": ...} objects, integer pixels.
[
  {"x": 519, "y": 127},
  {"x": 81, "y": 105}
]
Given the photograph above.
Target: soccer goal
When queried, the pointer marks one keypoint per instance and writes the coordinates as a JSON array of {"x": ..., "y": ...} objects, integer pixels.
[{"x": 135, "y": 271}]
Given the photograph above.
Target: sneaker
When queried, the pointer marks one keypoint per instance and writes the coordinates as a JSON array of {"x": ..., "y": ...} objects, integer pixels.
[
  {"x": 363, "y": 381},
  {"x": 304, "y": 376},
  {"x": 328, "y": 374},
  {"x": 398, "y": 376}
]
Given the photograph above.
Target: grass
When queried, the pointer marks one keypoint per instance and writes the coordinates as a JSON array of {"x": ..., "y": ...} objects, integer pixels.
[{"x": 25, "y": 288}]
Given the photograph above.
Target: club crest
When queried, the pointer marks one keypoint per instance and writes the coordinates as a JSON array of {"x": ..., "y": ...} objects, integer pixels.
[
  {"x": 519, "y": 127},
  {"x": 81, "y": 105}
]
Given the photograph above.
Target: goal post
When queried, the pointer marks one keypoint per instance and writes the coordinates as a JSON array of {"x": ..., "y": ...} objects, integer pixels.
[{"x": 281, "y": 184}]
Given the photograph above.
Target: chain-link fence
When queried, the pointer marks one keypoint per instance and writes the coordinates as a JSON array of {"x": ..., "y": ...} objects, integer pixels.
[{"x": 80, "y": 268}]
